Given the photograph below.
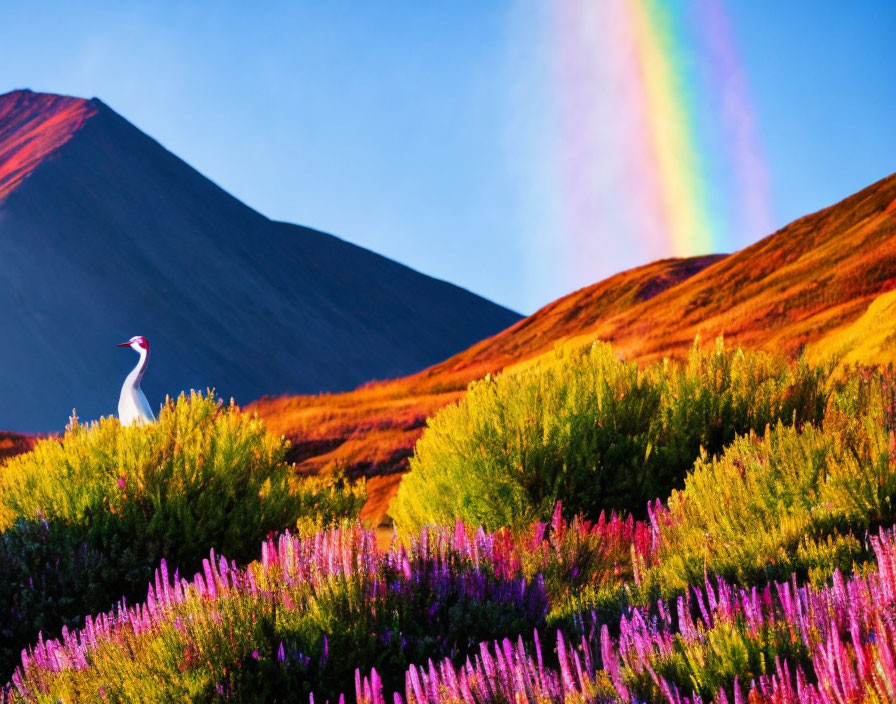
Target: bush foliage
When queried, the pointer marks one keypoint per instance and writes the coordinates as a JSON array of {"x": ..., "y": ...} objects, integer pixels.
[
  {"x": 595, "y": 432},
  {"x": 789, "y": 500},
  {"x": 86, "y": 519}
]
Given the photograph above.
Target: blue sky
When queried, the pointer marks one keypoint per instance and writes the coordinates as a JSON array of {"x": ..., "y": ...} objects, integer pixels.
[{"x": 418, "y": 129}]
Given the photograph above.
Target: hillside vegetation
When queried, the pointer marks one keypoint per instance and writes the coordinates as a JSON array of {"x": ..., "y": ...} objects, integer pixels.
[
  {"x": 762, "y": 568},
  {"x": 85, "y": 519},
  {"x": 594, "y": 432},
  {"x": 12, "y": 444},
  {"x": 801, "y": 288},
  {"x": 647, "y": 517}
]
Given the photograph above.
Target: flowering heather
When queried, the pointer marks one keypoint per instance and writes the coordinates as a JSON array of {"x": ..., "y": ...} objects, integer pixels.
[
  {"x": 501, "y": 672},
  {"x": 820, "y": 646},
  {"x": 86, "y": 518},
  {"x": 843, "y": 638},
  {"x": 449, "y": 616},
  {"x": 782, "y": 643},
  {"x": 286, "y": 625},
  {"x": 282, "y": 619}
]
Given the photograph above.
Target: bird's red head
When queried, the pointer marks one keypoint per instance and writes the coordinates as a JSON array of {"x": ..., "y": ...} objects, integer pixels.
[{"x": 138, "y": 342}]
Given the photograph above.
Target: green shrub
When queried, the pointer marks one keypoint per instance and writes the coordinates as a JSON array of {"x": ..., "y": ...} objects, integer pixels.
[
  {"x": 593, "y": 431},
  {"x": 791, "y": 500},
  {"x": 86, "y": 519}
]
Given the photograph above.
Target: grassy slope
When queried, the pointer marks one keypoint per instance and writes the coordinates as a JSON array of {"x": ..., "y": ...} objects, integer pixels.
[
  {"x": 791, "y": 289},
  {"x": 808, "y": 286},
  {"x": 871, "y": 339}
]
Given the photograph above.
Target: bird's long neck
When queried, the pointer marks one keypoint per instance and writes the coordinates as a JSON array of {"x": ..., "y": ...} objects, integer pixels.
[{"x": 137, "y": 373}]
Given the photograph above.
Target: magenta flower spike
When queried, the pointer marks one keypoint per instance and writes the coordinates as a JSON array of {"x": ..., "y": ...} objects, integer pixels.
[
  {"x": 209, "y": 579},
  {"x": 415, "y": 687},
  {"x": 564, "y": 664}
]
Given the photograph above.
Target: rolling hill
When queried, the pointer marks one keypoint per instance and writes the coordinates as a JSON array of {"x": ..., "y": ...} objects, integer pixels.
[
  {"x": 372, "y": 430},
  {"x": 819, "y": 285},
  {"x": 105, "y": 234}
]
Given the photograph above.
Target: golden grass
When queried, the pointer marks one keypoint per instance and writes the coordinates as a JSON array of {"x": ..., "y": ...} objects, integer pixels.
[{"x": 871, "y": 339}]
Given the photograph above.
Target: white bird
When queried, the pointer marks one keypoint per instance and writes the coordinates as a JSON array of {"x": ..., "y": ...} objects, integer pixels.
[{"x": 133, "y": 408}]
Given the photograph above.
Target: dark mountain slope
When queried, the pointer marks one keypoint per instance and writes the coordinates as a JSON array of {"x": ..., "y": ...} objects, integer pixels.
[{"x": 109, "y": 235}]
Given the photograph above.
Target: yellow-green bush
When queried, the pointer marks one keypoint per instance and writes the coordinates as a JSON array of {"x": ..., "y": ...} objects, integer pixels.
[
  {"x": 197, "y": 449},
  {"x": 593, "y": 431},
  {"x": 790, "y": 500},
  {"x": 107, "y": 503}
]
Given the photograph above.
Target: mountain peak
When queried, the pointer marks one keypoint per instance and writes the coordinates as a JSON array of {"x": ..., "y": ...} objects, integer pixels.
[
  {"x": 38, "y": 98},
  {"x": 104, "y": 232},
  {"x": 32, "y": 127}
]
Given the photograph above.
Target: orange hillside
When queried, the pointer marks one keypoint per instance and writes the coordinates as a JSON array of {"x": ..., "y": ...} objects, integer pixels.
[
  {"x": 372, "y": 431},
  {"x": 14, "y": 444},
  {"x": 798, "y": 288}
]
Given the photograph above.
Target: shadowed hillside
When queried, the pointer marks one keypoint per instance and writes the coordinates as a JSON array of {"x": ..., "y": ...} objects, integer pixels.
[
  {"x": 808, "y": 286},
  {"x": 104, "y": 234}
]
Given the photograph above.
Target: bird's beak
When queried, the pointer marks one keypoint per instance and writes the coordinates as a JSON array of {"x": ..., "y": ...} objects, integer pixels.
[{"x": 123, "y": 344}]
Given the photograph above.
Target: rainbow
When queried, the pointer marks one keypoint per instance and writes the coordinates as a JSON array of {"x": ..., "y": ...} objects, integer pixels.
[{"x": 658, "y": 148}]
